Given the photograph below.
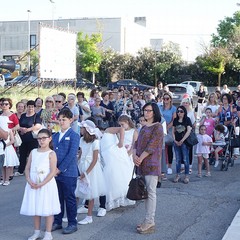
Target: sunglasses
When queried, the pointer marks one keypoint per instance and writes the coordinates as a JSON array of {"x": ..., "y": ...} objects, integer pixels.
[
  {"x": 166, "y": 98},
  {"x": 147, "y": 110},
  {"x": 180, "y": 111},
  {"x": 48, "y": 101},
  {"x": 58, "y": 101},
  {"x": 4, "y": 104}
]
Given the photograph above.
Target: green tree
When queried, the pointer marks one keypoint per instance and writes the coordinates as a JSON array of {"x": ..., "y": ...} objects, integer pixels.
[
  {"x": 226, "y": 30},
  {"x": 215, "y": 61},
  {"x": 89, "y": 54}
]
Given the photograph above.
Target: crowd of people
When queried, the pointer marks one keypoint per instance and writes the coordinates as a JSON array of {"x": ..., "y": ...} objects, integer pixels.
[{"x": 73, "y": 148}]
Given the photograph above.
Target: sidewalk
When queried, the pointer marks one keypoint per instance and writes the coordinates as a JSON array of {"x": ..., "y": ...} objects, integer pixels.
[{"x": 233, "y": 231}]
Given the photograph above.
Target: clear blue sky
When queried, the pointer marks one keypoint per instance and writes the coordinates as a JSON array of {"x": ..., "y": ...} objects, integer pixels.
[{"x": 187, "y": 22}]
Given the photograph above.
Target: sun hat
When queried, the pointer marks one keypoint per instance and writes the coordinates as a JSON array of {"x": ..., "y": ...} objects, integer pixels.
[{"x": 91, "y": 128}]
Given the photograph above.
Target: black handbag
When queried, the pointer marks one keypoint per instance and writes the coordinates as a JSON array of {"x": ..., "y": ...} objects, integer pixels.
[
  {"x": 191, "y": 139},
  {"x": 137, "y": 189}
]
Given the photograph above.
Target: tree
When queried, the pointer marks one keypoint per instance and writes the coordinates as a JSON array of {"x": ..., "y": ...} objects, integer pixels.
[
  {"x": 226, "y": 30},
  {"x": 215, "y": 61},
  {"x": 89, "y": 56}
]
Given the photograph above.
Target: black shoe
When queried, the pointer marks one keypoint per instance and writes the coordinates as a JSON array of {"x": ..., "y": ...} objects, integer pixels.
[
  {"x": 159, "y": 184},
  {"x": 10, "y": 178},
  {"x": 55, "y": 227},
  {"x": 70, "y": 229}
]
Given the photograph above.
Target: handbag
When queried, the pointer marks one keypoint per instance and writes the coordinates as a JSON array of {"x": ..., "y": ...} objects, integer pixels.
[
  {"x": 35, "y": 133},
  {"x": 137, "y": 189},
  {"x": 169, "y": 138},
  {"x": 191, "y": 139},
  {"x": 17, "y": 140}
]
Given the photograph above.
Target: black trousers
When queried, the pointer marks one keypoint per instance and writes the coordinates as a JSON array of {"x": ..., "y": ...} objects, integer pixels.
[{"x": 24, "y": 150}]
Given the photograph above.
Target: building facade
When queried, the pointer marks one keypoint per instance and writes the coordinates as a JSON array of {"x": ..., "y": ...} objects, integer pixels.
[{"x": 124, "y": 35}]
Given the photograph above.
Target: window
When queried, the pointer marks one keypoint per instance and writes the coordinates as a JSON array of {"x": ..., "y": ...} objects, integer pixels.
[{"x": 33, "y": 41}]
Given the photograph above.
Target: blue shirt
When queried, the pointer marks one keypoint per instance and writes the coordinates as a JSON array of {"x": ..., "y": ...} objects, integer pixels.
[{"x": 167, "y": 113}]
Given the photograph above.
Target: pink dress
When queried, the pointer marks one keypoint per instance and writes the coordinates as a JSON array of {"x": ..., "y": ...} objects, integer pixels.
[{"x": 200, "y": 148}]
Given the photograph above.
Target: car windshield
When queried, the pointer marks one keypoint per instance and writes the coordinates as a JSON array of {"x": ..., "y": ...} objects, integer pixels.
[{"x": 177, "y": 89}]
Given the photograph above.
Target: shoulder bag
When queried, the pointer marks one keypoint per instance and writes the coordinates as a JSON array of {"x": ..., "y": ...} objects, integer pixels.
[
  {"x": 17, "y": 140},
  {"x": 137, "y": 189},
  {"x": 191, "y": 139}
]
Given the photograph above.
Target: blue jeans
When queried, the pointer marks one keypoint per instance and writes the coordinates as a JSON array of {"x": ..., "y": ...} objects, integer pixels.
[
  {"x": 182, "y": 154},
  {"x": 66, "y": 191}
]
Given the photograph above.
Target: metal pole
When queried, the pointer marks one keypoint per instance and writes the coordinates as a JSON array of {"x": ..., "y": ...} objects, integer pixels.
[
  {"x": 29, "y": 35},
  {"x": 52, "y": 2}
]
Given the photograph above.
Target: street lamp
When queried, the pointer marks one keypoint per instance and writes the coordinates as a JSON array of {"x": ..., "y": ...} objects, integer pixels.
[
  {"x": 52, "y": 2},
  {"x": 29, "y": 36}
]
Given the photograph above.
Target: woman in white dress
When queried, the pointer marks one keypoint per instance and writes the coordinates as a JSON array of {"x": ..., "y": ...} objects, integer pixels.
[
  {"x": 116, "y": 151},
  {"x": 41, "y": 194}
]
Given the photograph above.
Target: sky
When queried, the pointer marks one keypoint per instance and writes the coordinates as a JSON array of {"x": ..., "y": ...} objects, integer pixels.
[{"x": 189, "y": 23}]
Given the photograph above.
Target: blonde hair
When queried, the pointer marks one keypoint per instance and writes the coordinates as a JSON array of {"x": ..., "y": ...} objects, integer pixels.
[
  {"x": 215, "y": 99},
  {"x": 170, "y": 96},
  {"x": 187, "y": 100},
  {"x": 50, "y": 98}
]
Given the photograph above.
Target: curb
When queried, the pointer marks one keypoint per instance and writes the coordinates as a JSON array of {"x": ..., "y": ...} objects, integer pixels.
[{"x": 233, "y": 231}]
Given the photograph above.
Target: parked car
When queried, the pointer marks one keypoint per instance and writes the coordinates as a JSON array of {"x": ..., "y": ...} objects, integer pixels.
[
  {"x": 16, "y": 81},
  {"x": 22, "y": 81},
  {"x": 196, "y": 85},
  {"x": 84, "y": 83},
  {"x": 128, "y": 84},
  {"x": 179, "y": 90}
]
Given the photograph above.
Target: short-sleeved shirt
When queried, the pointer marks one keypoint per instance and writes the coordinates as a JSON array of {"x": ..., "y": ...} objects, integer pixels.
[
  {"x": 168, "y": 113},
  {"x": 181, "y": 128},
  {"x": 14, "y": 121},
  {"x": 28, "y": 122},
  {"x": 200, "y": 148}
]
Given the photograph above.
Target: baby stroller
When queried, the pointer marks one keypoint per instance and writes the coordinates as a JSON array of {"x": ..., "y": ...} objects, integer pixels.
[{"x": 226, "y": 154}]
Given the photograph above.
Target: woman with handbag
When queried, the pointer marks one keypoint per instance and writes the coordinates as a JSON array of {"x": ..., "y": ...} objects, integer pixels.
[
  {"x": 29, "y": 122},
  {"x": 182, "y": 127},
  {"x": 146, "y": 154}
]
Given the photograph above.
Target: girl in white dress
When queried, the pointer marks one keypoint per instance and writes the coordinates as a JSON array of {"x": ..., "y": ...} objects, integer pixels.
[
  {"x": 41, "y": 194},
  {"x": 91, "y": 174},
  {"x": 116, "y": 151},
  {"x": 10, "y": 160}
]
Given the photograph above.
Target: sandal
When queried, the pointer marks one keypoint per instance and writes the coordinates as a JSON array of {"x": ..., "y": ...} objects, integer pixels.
[{"x": 176, "y": 179}]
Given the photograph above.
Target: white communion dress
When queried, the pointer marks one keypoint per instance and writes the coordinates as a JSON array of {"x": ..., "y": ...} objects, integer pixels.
[
  {"x": 11, "y": 158},
  {"x": 96, "y": 179},
  {"x": 43, "y": 201},
  {"x": 117, "y": 171}
]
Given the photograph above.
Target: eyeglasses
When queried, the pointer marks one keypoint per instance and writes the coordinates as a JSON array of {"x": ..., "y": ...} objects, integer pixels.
[
  {"x": 4, "y": 104},
  {"x": 180, "y": 111},
  {"x": 58, "y": 101},
  {"x": 42, "y": 138},
  {"x": 148, "y": 110},
  {"x": 166, "y": 98}
]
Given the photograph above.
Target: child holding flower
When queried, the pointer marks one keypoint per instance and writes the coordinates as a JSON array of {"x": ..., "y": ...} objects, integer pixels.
[{"x": 41, "y": 194}]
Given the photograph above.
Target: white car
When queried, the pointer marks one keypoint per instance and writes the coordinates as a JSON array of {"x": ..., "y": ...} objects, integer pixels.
[
  {"x": 178, "y": 90},
  {"x": 196, "y": 85}
]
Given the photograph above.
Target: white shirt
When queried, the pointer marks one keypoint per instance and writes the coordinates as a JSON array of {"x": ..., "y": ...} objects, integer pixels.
[
  {"x": 61, "y": 134},
  {"x": 4, "y": 125}
]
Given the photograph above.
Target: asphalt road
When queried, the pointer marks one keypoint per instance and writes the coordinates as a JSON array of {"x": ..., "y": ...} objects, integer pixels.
[{"x": 201, "y": 210}]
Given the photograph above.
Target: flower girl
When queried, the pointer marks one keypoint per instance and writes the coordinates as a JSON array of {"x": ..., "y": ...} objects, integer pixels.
[
  {"x": 41, "y": 194},
  {"x": 91, "y": 183}
]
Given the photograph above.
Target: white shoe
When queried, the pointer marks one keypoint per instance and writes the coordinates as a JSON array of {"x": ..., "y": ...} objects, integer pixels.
[
  {"x": 169, "y": 171},
  {"x": 16, "y": 174},
  {"x": 216, "y": 164},
  {"x": 82, "y": 210},
  {"x": 101, "y": 212},
  {"x": 85, "y": 221},
  {"x": 47, "y": 237},
  {"x": 35, "y": 236}
]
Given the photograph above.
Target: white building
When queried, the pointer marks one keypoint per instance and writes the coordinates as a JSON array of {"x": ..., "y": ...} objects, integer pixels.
[{"x": 125, "y": 35}]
